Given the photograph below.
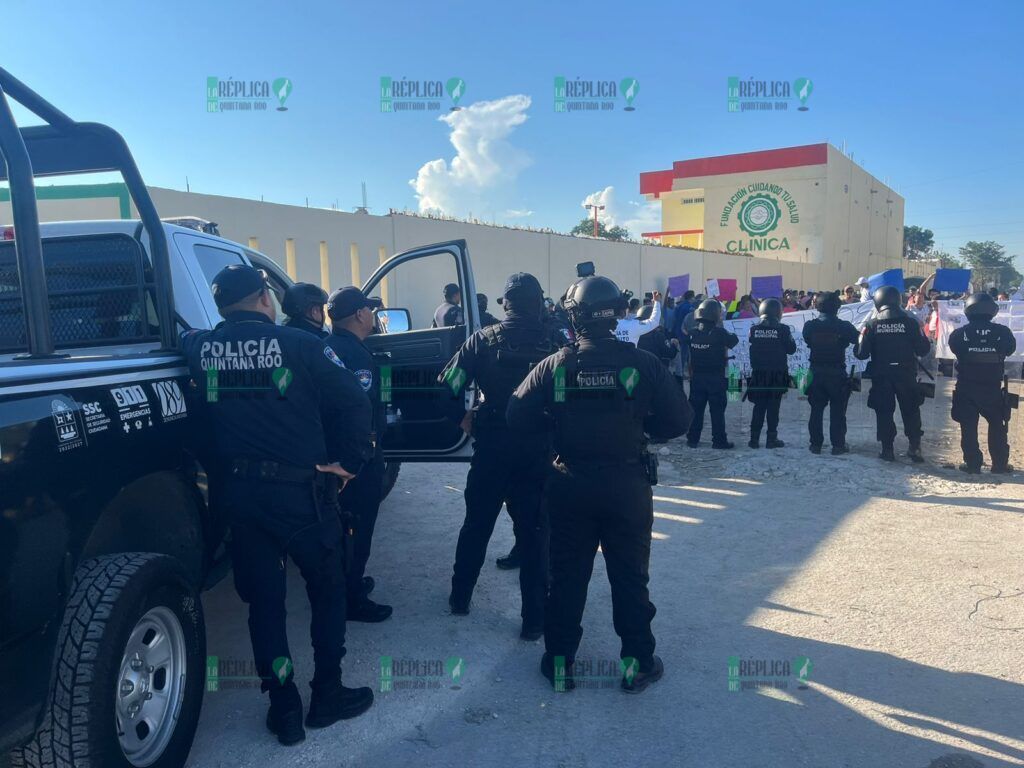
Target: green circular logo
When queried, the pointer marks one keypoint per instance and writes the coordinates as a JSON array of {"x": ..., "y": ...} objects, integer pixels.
[{"x": 759, "y": 215}]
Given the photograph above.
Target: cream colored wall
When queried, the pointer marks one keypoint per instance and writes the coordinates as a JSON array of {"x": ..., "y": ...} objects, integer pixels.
[{"x": 70, "y": 210}]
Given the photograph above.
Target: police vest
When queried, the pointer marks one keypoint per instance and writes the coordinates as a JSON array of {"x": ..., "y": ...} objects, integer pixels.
[
  {"x": 597, "y": 418},
  {"x": 767, "y": 347},
  {"x": 510, "y": 364}
]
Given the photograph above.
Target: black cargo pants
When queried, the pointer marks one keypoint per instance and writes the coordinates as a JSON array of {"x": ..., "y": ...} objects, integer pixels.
[
  {"x": 971, "y": 400},
  {"x": 361, "y": 498},
  {"x": 829, "y": 387},
  {"x": 886, "y": 392}
]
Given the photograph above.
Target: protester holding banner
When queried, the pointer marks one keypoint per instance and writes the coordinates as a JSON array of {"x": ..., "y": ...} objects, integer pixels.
[{"x": 981, "y": 350}]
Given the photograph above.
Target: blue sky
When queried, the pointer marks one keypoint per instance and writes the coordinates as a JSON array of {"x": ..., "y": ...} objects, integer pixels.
[{"x": 923, "y": 94}]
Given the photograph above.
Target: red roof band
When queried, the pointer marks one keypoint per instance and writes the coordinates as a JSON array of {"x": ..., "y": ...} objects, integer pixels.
[{"x": 656, "y": 182}]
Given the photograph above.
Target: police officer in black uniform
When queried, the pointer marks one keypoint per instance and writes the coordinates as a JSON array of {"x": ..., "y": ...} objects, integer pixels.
[
  {"x": 893, "y": 341},
  {"x": 506, "y": 467},
  {"x": 352, "y": 320},
  {"x": 709, "y": 353},
  {"x": 771, "y": 343},
  {"x": 287, "y": 419},
  {"x": 449, "y": 312},
  {"x": 486, "y": 318},
  {"x": 981, "y": 348},
  {"x": 303, "y": 303},
  {"x": 599, "y": 396},
  {"x": 828, "y": 338}
]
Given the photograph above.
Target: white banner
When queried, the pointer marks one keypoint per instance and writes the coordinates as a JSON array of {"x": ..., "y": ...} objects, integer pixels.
[
  {"x": 800, "y": 361},
  {"x": 951, "y": 317}
]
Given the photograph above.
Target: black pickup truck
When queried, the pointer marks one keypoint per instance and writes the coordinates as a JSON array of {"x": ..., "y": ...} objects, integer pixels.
[{"x": 107, "y": 532}]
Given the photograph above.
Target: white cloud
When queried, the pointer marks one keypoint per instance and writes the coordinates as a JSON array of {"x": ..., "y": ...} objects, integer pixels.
[
  {"x": 485, "y": 163},
  {"x": 514, "y": 213},
  {"x": 637, "y": 217}
]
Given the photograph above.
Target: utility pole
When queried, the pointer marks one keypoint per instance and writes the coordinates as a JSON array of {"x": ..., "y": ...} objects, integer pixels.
[{"x": 596, "y": 209}]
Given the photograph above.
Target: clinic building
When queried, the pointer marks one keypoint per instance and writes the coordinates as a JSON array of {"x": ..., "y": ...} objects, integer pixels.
[{"x": 809, "y": 204}]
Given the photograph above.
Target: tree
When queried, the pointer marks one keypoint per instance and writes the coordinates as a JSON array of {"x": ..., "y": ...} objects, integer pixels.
[
  {"x": 989, "y": 264},
  {"x": 943, "y": 260},
  {"x": 917, "y": 242},
  {"x": 586, "y": 228}
]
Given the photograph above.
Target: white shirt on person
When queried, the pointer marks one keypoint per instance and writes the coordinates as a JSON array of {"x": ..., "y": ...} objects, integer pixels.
[{"x": 631, "y": 329}]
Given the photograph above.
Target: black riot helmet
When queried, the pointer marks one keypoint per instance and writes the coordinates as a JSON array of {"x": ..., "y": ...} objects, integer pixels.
[
  {"x": 887, "y": 297},
  {"x": 299, "y": 298},
  {"x": 981, "y": 305},
  {"x": 594, "y": 300},
  {"x": 771, "y": 308},
  {"x": 828, "y": 303},
  {"x": 709, "y": 310}
]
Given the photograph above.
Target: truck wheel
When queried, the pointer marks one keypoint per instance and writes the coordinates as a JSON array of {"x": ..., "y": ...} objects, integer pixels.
[
  {"x": 129, "y": 670},
  {"x": 389, "y": 478}
]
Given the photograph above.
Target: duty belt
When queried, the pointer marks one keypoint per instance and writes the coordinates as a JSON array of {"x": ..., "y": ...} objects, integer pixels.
[{"x": 271, "y": 471}]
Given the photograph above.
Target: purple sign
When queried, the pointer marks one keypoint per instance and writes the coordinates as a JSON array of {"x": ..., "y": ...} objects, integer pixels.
[
  {"x": 678, "y": 285},
  {"x": 769, "y": 287}
]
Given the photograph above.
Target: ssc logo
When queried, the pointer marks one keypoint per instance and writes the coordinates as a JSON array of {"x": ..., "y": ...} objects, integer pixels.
[
  {"x": 365, "y": 379},
  {"x": 759, "y": 215}
]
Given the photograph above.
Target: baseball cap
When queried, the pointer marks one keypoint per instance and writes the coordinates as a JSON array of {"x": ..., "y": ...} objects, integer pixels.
[
  {"x": 524, "y": 285},
  {"x": 349, "y": 300},
  {"x": 235, "y": 282}
]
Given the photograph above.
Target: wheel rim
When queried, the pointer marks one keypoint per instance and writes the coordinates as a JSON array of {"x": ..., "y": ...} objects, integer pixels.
[{"x": 150, "y": 686}]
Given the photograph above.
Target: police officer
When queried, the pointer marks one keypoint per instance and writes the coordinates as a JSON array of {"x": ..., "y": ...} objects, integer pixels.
[
  {"x": 286, "y": 418},
  {"x": 486, "y": 318},
  {"x": 303, "y": 303},
  {"x": 709, "y": 352},
  {"x": 893, "y": 341},
  {"x": 449, "y": 312},
  {"x": 599, "y": 397},
  {"x": 828, "y": 338},
  {"x": 352, "y": 320},
  {"x": 771, "y": 342},
  {"x": 506, "y": 467},
  {"x": 981, "y": 349}
]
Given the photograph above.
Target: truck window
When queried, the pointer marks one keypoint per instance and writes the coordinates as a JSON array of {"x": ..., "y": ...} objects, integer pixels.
[
  {"x": 212, "y": 260},
  {"x": 98, "y": 289}
]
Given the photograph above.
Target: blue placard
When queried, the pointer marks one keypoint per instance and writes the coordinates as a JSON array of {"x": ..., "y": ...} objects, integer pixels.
[
  {"x": 893, "y": 277},
  {"x": 952, "y": 280}
]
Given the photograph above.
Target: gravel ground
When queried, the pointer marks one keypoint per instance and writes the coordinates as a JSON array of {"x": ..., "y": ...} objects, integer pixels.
[{"x": 901, "y": 584}]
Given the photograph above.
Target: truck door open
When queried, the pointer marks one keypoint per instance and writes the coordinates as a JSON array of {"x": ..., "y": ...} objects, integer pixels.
[{"x": 412, "y": 351}]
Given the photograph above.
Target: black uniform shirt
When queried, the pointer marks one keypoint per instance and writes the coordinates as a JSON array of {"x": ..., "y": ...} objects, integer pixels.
[
  {"x": 828, "y": 337},
  {"x": 278, "y": 394},
  {"x": 709, "y": 349},
  {"x": 304, "y": 324},
  {"x": 358, "y": 358},
  {"x": 981, "y": 348},
  {"x": 893, "y": 340},
  {"x": 770, "y": 343}
]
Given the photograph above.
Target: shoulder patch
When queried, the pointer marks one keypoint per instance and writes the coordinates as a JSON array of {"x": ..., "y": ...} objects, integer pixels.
[
  {"x": 331, "y": 355},
  {"x": 365, "y": 379}
]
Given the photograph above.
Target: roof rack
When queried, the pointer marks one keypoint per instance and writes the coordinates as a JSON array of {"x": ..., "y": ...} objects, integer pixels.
[{"x": 65, "y": 147}]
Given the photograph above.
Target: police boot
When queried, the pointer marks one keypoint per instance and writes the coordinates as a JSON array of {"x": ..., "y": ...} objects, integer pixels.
[
  {"x": 814, "y": 448},
  {"x": 368, "y": 611},
  {"x": 368, "y": 585},
  {"x": 755, "y": 441},
  {"x": 915, "y": 454},
  {"x": 531, "y": 631},
  {"x": 839, "y": 450},
  {"x": 637, "y": 681},
  {"x": 564, "y": 681},
  {"x": 774, "y": 442},
  {"x": 726, "y": 446},
  {"x": 284, "y": 718},
  {"x": 459, "y": 604},
  {"x": 1002, "y": 469},
  {"x": 333, "y": 702},
  {"x": 510, "y": 561},
  {"x": 887, "y": 453},
  {"x": 971, "y": 469}
]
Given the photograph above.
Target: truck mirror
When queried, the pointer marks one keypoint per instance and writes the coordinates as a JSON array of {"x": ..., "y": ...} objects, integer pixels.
[{"x": 393, "y": 320}]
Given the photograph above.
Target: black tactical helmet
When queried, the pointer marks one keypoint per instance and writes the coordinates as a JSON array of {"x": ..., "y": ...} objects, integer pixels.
[
  {"x": 771, "y": 308},
  {"x": 300, "y": 297},
  {"x": 709, "y": 310},
  {"x": 981, "y": 305},
  {"x": 594, "y": 299},
  {"x": 888, "y": 296},
  {"x": 828, "y": 303}
]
